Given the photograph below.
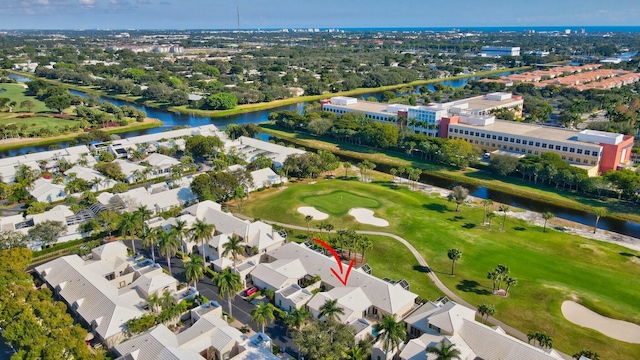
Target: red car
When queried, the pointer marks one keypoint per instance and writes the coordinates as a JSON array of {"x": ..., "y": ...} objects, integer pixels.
[{"x": 250, "y": 291}]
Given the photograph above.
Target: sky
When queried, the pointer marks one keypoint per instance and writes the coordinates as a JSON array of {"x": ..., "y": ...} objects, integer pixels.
[{"x": 269, "y": 14}]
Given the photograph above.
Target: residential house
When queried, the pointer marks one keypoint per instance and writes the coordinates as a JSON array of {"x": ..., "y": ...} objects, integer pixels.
[
  {"x": 48, "y": 159},
  {"x": 161, "y": 164},
  {"x": 107, "y": 290},
  {"x": 250, "y": 149},
  {"x": 455, "y": 324},
  {"x": 292, "y": 297},
  {"x": 132, "y": 172},
  {"x": 45, "y": 191},
  {"x": 265, "y": 178},
  {"x": 98, "y": 181}
]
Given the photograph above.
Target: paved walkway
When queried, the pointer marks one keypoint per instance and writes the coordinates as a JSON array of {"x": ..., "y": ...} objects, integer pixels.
[{"x": 512, "y": 331}]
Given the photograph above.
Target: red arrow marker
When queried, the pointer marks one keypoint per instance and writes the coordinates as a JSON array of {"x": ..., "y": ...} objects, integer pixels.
[{"x": 335, "y": 255}]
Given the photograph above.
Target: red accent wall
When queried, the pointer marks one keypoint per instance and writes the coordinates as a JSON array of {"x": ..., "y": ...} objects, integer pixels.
[
  {"x": 612, "y": 154},
  {"x": 444, "y": 125}
]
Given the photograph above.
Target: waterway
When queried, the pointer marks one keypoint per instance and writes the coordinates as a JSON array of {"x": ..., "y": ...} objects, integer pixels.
[{"x": 171, "y": 119}]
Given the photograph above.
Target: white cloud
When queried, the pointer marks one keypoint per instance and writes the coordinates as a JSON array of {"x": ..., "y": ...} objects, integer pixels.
[
  {"x": 88, "y": 3},
  {"x": 43, "y": 2}
]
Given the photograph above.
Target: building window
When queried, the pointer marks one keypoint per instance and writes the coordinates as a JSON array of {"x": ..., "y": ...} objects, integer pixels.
[
  {"x": 593, "y": 162},
  {"x": 537, "y": 144},
  {"x": 565, "y": 149},
  {"x": 517, "y": 149},
  {"x": 572, "y": 150},
  {"x": 535, "y": 153},
  {"x": 530, "y": 143},
  {"x": 570, "y": 158},
  {"x": 518, "y": 141},
  {"x": 578, "y": 160},
  {"x": 557, "y": 147},
  {"x": 482, "y": 135},
  {"x": 585, "y": 161},
  {"x": 528, "y": 151},
  {"x": 493, "y": 137},
  {"x": 587, "y": 152},
  {"x": 500, "y": 138},
  {"x": 512, "y": 140},
  {"x": 466, "y": 132},
  {"x": 564, "y": 157},
  {"x": 595, "y": 153},
  {"x": 510, "y": 147},
  {"x": 544, "y": 146},
  {"x": 493, "y": 144},
  {"x": 579, "y": 151}
]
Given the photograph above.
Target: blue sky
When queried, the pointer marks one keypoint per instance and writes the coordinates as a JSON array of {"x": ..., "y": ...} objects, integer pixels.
[{"x": 221, "y": 14}]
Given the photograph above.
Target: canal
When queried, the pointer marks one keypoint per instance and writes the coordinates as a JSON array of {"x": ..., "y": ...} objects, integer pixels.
[{"x": 171, "y": 119}]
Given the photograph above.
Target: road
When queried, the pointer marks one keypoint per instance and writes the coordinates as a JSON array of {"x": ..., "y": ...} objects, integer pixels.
[{"x": 434, "y": 278}]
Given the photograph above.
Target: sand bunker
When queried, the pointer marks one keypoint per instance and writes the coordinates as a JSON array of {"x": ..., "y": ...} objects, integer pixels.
[
  {"x": 365, "y": 216},
  {"x": 315, "y": 213},
  {"x": 617, "y": 329}
]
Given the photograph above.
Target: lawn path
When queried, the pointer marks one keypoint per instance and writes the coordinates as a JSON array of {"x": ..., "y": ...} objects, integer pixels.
[{"x": 512, "y": 331}]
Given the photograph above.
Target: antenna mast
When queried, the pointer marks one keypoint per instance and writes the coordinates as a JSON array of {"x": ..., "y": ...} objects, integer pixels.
[{"x": 238, "y": 13}]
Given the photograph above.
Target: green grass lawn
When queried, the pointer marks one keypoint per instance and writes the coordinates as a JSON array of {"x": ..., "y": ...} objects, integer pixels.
[
  {"x": 550, "y": 267},
  {"x": 17, "y": 93},
  {"x": 339, "y": 202},
  {"x": 38, "y": 122}
]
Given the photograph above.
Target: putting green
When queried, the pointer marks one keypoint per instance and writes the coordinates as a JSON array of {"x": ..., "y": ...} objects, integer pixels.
[{"x": 338, "y": 203}]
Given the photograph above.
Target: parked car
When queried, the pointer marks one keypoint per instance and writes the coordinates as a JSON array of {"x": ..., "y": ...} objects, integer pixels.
[{"x": 250, "y": 291}]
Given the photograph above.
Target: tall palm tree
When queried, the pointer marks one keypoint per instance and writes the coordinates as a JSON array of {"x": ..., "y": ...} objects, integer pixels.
[
  {"x": 127, "y": 226},
  {"x": 228, "y": 284},
  {"x": 444, "y": 351},
  {"x": 153, "y": 300},
  {"x": 149, "y": 239},
  {"x": 182, "y": 232},
  {"x": 390, "y": 332},
  {"x": 503, "y": 209},
  {"x": 297, "y": 317},
  {"x": 510, "y": 282},
  {"x": 262, "y": 314},
  {"x": 194, "y": 269},
  {"x": 365, "y": 244},
  {"x": 486, "y": 204},
  {"x": 598, "y": 212},
  {"x": 202, "y": 233},
  {"x": 143, "y": 215},
  {"x": 547, "y": 215},
  {"x": 167, "y": 245},
  {"x": 308, "y": 219},
  {"x": 166, "y": 300},
  {"x": 330, "y": 310},
  {"x": 234, "y": 247},
  {"x": 490, "y": 216},
  {"x": 329, "y": 227},
  {"x": 454, "y": 255},
  {"x": 354, "y": 353},
  {"x": 239, "y": 193}
]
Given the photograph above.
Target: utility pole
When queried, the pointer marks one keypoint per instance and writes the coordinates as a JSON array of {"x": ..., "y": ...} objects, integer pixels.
[{"x": 238, "y": 14}]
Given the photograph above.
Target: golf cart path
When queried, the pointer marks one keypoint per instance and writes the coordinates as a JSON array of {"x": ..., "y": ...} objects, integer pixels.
[{"x": 512, "y": 331}]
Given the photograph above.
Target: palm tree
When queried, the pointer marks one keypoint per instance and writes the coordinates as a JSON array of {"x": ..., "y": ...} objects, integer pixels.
[
  {"x": 490, "y": 216},
  {"x": 365, "y": 244},
  {"x": 167, "y": 245},
  {"x": 149, "y": 240},
  {"x": 598, "y": 212},
  {"x": 166, "y": 300},
  {"x": 486, "y": 203},
  {"x": 329, "y": 227},
  {"x": 444, "y": 351},
  {"x": 297, "y": 317},
  {"x": 503, "y": 209},
  {"x": 240, "y": 193},
  {"x": 127, "y": 226},
  {"x": 228, "y": 284},
  {"x": 454, "y": 255},
  {"x": 354, "y": 353},
  {"x": 153, "y": 300},
  {"x": 346, "y": 166},
  {"x": 308, "y": 219},
  {"x": 390, "y": 332},
  {"x": 194, "y": 269},
  {"x": 330, "y": 310},
  {"x": 510, "y": 282},
  {"x": 182, "y": 231},
  {"x": 459, "y": 195},
  {"x": 202, "y": 233},
  {"x": 482, "y": 310},
  {"x": 547, "y": 215},
  {"x": 234, "y": 247},
  {"x": 143, "y": 215},
  {"x": 262, "y": 314},
  {"x": 592, "y": 355}
]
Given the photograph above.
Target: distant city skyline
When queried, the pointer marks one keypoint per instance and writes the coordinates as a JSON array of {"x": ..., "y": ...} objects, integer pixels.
[{"x": 208, "y": 14}]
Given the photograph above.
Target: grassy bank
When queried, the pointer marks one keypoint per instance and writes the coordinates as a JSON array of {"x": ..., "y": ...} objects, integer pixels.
[
  {"x": 617, "y": 209},
  {"x": 147, "y": 124},
  {"x": 241, "y": 109},
  {"x": 550, "y": 267}
]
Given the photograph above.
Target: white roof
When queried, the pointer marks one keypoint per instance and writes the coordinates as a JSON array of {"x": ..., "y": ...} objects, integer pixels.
[
  {"x": 209, "y": 330},
  {"x": 278, "y": 272},
  {"x": 388, "y": 297},
  {"x": 252, "y": 148},
  {"x": 45, "y": 190},
  {"x": 158, "y": 343},
  {"x": 265, "y": 177},
  {"x": 157, "y": 200},
  {"x": 57, "y": 213},
  {"x": 70, "y": 154},
  {"x": 161, "y": 161},
  {"x": 97, "y": 301},
  {"x": 352, "y": 300},
  {"x": 128, "y": 167},
  {"x": 85, "y": 173},
  {"x": 447, "y": 316}
]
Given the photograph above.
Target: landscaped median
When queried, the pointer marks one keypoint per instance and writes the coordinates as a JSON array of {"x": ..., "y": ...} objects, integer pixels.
[
  {"x": 477, "y": 177},
  {"x": 550, "y": 267}
]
